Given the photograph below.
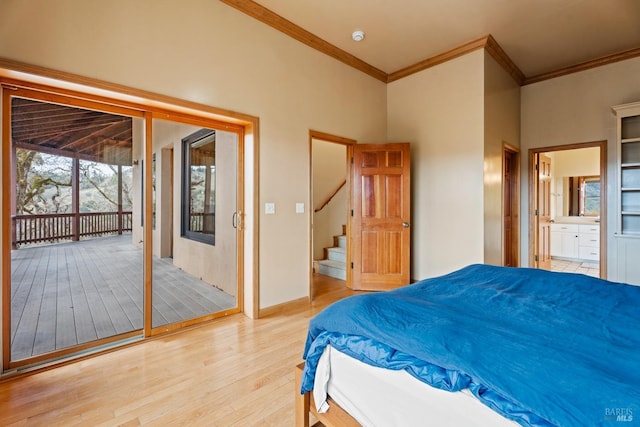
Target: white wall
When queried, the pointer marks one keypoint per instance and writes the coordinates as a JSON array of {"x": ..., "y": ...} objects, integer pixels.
[
  {"x": 502, "y": 126},
  {"x": 578, "y": 162},
  {"x": 572, "y": 109},
  {"x": 440, "y": 111},
  {"x": 210, "y": 53}
]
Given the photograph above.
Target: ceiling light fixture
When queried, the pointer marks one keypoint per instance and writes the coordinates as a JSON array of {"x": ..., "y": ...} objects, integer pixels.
[{"x": 357, "y": 35}]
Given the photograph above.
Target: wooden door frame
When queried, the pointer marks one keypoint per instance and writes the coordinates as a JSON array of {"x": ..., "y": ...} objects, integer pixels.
[
  {"x": 515, "y": 202},
  {"x": 347, "y": 142},
  {"x": 533, "y": 178},
  {"x": 150, "y": 105}
]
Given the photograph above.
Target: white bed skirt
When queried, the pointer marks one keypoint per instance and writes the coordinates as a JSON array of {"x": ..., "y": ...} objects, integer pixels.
[{"x": 382, "y": 397}]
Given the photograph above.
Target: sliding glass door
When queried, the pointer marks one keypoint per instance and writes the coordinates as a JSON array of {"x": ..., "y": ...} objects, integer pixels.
[
  {"x": 76, "y": 268},
  {"x": 118, "y": 223},
  {"x": 195, "y": 228}
]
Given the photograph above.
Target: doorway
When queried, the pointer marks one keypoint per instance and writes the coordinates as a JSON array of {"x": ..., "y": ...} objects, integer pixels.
[
  {"x": 329, "y": 208},
  {"x": 511, "y": 206},
  {"x": 82, "y": 271},
  {"x": 567, "y": 215}
]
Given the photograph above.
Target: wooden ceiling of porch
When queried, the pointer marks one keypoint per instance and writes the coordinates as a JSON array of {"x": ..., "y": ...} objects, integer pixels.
[{"x": 72, "y": 132}]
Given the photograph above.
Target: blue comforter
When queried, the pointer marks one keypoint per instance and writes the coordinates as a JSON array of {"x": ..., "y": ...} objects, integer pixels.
[{"x": 540, "y": 348}]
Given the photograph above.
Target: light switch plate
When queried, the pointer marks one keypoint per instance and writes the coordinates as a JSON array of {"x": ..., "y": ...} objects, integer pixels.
[
  {"x": 299, "y": 207},
  {"x": 270, "y": 208}
]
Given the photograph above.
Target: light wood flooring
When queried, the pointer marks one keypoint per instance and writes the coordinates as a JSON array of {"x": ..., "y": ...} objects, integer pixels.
[
  {"x": 73, "y": 293},
  {"x": 230, "y": 372}
]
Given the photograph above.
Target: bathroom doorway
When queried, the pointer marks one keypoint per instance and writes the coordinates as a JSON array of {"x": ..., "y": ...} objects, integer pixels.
[{"x": 568, "y": 208}]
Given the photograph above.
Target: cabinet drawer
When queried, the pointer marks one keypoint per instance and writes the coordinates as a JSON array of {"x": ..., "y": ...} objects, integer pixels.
[
  {"x": 589, "y": 228},
  {"x": 589, "y": 240},
  {"x": 570, "y": 228},
  {"x": 592, "y": 254}
]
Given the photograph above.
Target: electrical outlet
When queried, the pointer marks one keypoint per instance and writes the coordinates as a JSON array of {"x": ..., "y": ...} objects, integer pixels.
[{"x": 299, "y": 207}]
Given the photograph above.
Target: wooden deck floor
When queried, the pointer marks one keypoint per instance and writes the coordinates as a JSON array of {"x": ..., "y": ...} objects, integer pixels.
[{"x": 74, "y": 293}]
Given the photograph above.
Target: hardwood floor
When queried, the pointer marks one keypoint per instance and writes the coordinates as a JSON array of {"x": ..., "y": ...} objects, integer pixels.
[{"x": 230, "y": 372}]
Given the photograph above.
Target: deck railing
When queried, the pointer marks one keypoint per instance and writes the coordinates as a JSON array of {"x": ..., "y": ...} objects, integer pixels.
[
  {"x": 52, "y": 228},
  {"x": 202, "y": 222}
]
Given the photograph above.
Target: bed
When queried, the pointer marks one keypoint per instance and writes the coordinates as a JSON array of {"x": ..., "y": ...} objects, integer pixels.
[{"x": 486, "y": 345}]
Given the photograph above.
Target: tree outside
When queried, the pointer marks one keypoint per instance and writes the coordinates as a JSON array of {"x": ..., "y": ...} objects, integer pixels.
[{"x": 43, "y": 185}]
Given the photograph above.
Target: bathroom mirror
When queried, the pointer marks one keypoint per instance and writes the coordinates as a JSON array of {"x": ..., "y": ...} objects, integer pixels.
[{"x": 581, "y": 196}]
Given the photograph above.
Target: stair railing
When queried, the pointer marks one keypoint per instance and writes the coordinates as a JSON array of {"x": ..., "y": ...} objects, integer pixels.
[{"x": 331, "y": 196}]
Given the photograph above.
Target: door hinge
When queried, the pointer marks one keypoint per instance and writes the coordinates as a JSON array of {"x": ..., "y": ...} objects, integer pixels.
[
  {"x": 537, "y": 167},
  {"x": 352, "y": 266},
  {"x": 352, "y": 160},
  {"x": 536, "y": 258},
  {"x": 536, "y": 213},
  {"x": 351, "y": 212}
]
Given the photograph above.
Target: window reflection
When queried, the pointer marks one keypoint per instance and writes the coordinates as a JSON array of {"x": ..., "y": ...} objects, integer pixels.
[{"x": 199, "y": 155}]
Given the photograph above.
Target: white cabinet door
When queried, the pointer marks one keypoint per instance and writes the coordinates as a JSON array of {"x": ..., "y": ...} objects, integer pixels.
[
  {"x": 565, "y": 241},
  {"x": 628, "y": 267}
]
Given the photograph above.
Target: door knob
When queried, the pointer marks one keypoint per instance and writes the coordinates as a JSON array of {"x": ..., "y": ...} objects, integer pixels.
[{"x": 405, "y": 224}]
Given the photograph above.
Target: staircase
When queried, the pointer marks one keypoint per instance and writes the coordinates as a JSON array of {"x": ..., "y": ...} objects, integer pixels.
[{"x": 335, "y": 262}]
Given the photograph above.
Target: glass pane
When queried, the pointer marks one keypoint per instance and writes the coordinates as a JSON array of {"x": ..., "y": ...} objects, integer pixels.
[
  {"x": 196, "y": 195},
  {"x": 76, "y": 276},
  {"x": 631, "y": 178},
  {"x": 202, "y": 184},
  {"x": 631, "y": 127},
  {"x": 591, "y": 197},
  {"x": 631, "y": 201},
  {"x": 630, "y": 152},
  {"x": 631, "y": 224}
]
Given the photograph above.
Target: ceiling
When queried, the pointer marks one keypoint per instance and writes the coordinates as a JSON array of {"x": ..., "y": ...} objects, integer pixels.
[
  {"x": 72, "y": 132},
  {"x": 539, "y": 36}
]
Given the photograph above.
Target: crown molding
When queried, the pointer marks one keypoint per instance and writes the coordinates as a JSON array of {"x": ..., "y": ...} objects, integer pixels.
[
  {"x": 438, "y": 59},
  {"x": 598, "y": 62},
  {"x": 501, "y": 57},
  {"x": 487, "y": 42},
  {"x": 266, "y": 16},
  {"x": 261, "y": 13},
  {"x": 287, "y": 27}
]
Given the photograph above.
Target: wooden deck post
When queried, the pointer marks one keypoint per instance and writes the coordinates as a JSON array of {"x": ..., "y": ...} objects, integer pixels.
[
  {"x": 75, "y": 197},
  {"x": 13, "y": 195},
  {"x": 119, "y": 199}
]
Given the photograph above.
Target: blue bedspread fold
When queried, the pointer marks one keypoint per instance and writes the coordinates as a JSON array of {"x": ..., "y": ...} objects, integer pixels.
[{"x": 540, "y": 348}]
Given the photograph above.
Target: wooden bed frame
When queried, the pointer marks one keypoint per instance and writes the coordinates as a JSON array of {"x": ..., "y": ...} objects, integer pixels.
[{"x": 334, "y": 417}]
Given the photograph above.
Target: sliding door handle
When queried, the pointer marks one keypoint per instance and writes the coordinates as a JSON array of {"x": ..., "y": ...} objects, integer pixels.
[{"x": 236, "y": 220}]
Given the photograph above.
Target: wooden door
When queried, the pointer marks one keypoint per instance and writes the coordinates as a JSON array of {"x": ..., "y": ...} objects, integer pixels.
[
  {"x": 544, "y": 212},
  {"x": 510, "y": 208},
  {"x": 380, "y": 216}
]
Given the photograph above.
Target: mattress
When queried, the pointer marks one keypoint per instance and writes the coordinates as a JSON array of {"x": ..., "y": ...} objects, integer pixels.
[{"x": 375, "y": 396}]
